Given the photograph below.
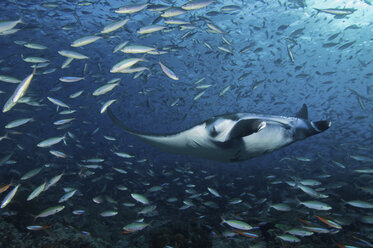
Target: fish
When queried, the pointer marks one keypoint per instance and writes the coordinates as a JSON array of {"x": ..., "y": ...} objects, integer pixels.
[
  {"x": 137, "y": 49},
  {"x": 71, "y": 79},
  {"x": 37, "y": 227},
  {"x": 316, "y": 205},
  {"x": 237, "y": 224},
  {"x": 361, "y": 158},
  {"x": 51, "y": 141},
  {"x": 6, "y": 158},
  {"x": 78, "y": 212},
  {"x": 19, "y": 122},
  {"x": 76, "y": 94},
  {"x": 31, "y": 173},
  {"x": 329, "y": 222},
  {"x": 126, "y": 63},
  {"x": 140, "y": 198},
  {"x": 5, "y": 187},
  {"x": 35, "y": 60},
  {"x": 281, "y": 207},
  {"x": 229, "y": 8},
  {"x": 9, "y": 79},
  {"x": 214, "y": 28},
  {"x": 147, "y": 209},
  {"x": 114, "y": 26},
  {"x": 85, "y": 40},
  {"x": 58, "y": 154},
  {"x": 224, "y": 90},
  {"x": 151, "y": 29},
  {"x": 123, "y": 155},
  {"x": 197, "y": 4},
  {"x": 134, "y": 69},
  {"x": 53, "y": 181},
  {"x": 57, "y": 102},
  {"x": 36, "y": 191},
  {"x": 108, "y": 213},
  {"x": 50, "y": 211},
  {"x": 67, "y": 112},
  {"x": 67, "y": 62},
  {"x": 72, "y": 54},
  {"x": 199, "y": 95},
  {"x": 213, "y": 192},
  {"x": 234, "y": 137},
  {"x": 337, "y": 12},
  {"x": 35, "y": 46},
  {"x": 120, "y": 170},
  {"x": 168, "y": 71},
  {"x": 63, "y": 121},
  {"x": 106, "y": 105},
  {"x": 134, "y": 227},
  {"x": 8, "y": 25},
  {"x": 132, "y": 8},
  {"x": 18, "y": 93},
  {"x": 8, "y": 198},
  {"x": 290, "y": 54},
  {"x": 360, "y": 204},
  {"x": 11, "y": 31},
  {"x": 246, "y": 234},
  {"x": 299, "y": 232},
  {"x": 175, "y": 21},
  {"x": 288, "y": 238},
  {"x": 173, "y": 11},
  {"x": 348, "y": 44},
  {"x": 120, "y": 46},
  {"x": 104, "y": 89},
  {"x": 310, "y": 182},
  {"x": 225, "y": 49}
]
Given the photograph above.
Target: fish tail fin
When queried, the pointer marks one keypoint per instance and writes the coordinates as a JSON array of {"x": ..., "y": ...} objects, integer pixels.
[
  {"x": 268, "y": 205},
  {"x": 143, "y": 58},
  {"x": 20, "y": 20},
  {"x": 298, "y": 201},
  {"x": 34, "y": 216},
  {"x": 6, "y": 136},
  {"x": 64, "y": 139},
  {"x": 222, "y": 220}
]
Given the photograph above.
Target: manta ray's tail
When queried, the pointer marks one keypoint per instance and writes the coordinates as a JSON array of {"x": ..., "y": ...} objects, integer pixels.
[{"x": 120, "y": 124}]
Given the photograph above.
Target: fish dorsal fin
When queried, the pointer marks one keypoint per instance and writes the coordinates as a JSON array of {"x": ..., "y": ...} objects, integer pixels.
[
  {"x": 245, "y": 127},
  {"x": 303, "y": 112}
]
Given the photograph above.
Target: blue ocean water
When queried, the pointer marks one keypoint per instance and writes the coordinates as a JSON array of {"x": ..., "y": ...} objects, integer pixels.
[{"x": 267, "y": 57}]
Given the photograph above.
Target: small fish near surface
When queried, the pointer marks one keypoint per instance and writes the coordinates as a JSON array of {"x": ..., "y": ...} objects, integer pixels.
[
  {"x": 337, "y": 12},
  {"x": 234, "y": 137}
]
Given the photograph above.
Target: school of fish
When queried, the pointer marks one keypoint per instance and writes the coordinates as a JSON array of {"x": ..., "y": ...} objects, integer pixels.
[{"x": 164, "y": 65}]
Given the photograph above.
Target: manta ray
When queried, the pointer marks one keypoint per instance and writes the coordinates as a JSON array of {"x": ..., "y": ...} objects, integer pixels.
[{"x": 234, "y": 137}]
